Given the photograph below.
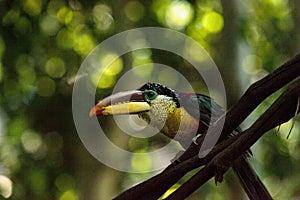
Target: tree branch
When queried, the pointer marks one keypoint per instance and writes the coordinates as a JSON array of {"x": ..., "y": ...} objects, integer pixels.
[
  {"x": 283, "y": 109},
  {"x": 256, "y": 93}
]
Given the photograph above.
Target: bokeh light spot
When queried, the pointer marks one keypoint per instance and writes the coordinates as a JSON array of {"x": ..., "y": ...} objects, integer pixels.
[
  {"x": 32, "y": 7},
  {"x": 134, "y": 11},
  {"x": 105, "y": 76},
  {"x": 65, "y": 15},
  {"x": 102, "y": 17},
  {"x": 25, "y": 70},
  {"x": 252, "y": 64},
  {"x": 142, "y": 54},
  {"x": 146, "y": 65},
  {"x": 45, "y": 86},
  {"x": 69, "y": 195},
  {"x": 279, "y": 3},
  {"x": 106, "y": 81},
  {"x": 6, "y": 186},
  {"x": 213, "y": 22},
  {"x": 168, "y": 76},
  {"x": 65, "y": 38},
  {"x": 141, "y": 163},
  {"x": 53, "y": 6},
  {"x": 64, "y": 182},
  {"x": 11, "y": 17},
  {"x": 142, "y": 57},
  {"x": 49, "y": 25},
  {"x": 115, "y": 67},
  {"x": 55, "y": 67},
  {"x": 84, "y": 43},
  {"x": 193, "y": 51},
  {"x": 179, "y": 14},
  {"x": 23, "y": 26},
  {"x": 137, "y": 143},
  {"x": 31, "y": 141}
]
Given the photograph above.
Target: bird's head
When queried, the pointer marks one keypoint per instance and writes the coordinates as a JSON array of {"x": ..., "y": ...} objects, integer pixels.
[{"x": 153, "y": 102}]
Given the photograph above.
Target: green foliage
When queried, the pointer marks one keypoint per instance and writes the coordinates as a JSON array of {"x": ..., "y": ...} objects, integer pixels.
[{"x": 42, "y": 44}]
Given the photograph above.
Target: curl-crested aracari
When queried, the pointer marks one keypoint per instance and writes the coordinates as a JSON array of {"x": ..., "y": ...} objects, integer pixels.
[{"x": 180, "y": 116}]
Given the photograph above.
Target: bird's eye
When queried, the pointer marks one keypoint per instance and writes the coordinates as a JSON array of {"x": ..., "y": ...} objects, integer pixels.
[{"x": 149, "y": 95}]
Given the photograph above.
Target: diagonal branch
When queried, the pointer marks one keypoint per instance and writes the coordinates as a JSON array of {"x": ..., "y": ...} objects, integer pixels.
[
  {"x": 281, "y": 111},
  {"x": 256, "y": 93},
  {"x": 163, "y": 181}
]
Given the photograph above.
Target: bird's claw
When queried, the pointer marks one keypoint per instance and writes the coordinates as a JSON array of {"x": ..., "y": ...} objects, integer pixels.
[
  {"x": 219, "y": 175},
  {"x": 221, "y": 168},
  {"x": 195, "y": 139}
]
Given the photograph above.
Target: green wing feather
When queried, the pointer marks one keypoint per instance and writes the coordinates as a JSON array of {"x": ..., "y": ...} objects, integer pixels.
[{"x": 210, "y": 111}]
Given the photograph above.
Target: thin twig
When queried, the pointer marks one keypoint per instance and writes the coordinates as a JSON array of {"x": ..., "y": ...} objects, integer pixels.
[{"x": 294, "y": 118}]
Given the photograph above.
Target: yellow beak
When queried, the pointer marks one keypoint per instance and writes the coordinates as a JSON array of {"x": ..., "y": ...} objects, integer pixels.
[{"x": 129, "y": 102}]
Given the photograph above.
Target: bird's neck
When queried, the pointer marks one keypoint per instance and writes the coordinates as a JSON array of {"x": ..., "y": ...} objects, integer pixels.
[{"x": 176, "y": 123}]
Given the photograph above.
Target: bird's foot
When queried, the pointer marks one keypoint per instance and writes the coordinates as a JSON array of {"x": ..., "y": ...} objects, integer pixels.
[
  {"x": 221, "y": 168},
  {"x": 195, "y": 139},
  {"x": 219, "y": 175}
]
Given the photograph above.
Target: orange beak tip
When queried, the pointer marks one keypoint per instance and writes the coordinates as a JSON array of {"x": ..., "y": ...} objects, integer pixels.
[
  {"x": 92, "y": 113},
  {"x": 95, "y": 111}
]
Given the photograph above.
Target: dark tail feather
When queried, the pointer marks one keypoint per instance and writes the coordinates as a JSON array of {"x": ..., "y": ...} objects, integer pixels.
[{"x": 251, "y": 183}]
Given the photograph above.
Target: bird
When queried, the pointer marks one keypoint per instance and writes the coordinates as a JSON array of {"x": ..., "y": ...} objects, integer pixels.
[
  {"x": 180, "y": 116},
  {"x": 164, "y": 107}
]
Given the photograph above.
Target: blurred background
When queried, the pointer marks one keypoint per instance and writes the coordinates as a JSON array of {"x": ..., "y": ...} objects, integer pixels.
[{"x": 42, "y": 45}]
